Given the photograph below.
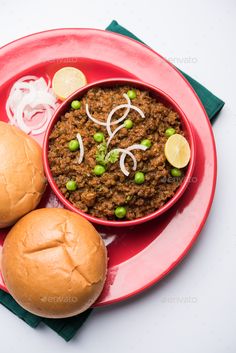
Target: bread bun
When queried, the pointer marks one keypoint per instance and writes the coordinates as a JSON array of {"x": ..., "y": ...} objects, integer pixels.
[
  {"x": 54, "y": 263},
  {"x": 22, "y": 180}
]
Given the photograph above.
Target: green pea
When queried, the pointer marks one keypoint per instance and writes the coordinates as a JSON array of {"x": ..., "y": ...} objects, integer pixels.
[
  {"x": 99, "y": 170},
  {"x": 128, "y": 124},
  {"x": 98, "y": 137},
  {"x": 73, "y": 145},
  {"x": 175, "y": 172},
  {"x": 120, "y": 212},
  {"x": 131, "y": 94},
  {"x": 170, "y": 131},
  {"x": 75, "y": 104},
  {"x": 71, "y": 185},
  {"x": 146, "y": 143},
  {"x": 139, "y": 178}
]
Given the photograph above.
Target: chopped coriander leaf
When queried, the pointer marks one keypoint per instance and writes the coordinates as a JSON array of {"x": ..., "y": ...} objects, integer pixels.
[
  {"x": 101, "y": 153},
  {"x": 113, "y": 157}
]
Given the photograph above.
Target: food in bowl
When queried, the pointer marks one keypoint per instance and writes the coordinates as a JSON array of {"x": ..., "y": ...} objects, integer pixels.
[
  {"x": 107, "y": 153},
  {"x": 54, "y": 263},
  {"x": 22, "y": 180}
]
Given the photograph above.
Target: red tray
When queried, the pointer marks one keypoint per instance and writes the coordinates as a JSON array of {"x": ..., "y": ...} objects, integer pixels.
[{"x": 142, "y": 255}]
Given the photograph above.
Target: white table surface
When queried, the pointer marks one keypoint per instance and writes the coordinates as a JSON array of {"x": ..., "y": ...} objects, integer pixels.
[{"x": 199, "y": 37}]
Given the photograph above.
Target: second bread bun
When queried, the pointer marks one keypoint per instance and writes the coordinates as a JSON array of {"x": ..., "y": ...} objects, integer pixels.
[{"x": 54, "y": 263}]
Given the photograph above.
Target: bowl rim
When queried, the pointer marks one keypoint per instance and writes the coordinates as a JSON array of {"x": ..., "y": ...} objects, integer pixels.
[{"x": 143, "y": 85}]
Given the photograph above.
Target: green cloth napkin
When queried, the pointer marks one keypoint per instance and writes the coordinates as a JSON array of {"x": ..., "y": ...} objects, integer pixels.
[{"x": 67, "y": 328}]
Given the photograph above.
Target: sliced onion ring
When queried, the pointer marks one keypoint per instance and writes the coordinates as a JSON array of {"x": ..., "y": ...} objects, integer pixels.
[
  {"x": 122, "y": 165},
  {"x": 124, "y": 154},
  {"x": 40, "y": 128},
  {"x": 29, "y": 97},
  {"x": 137, "y": 146},
  {"x": 110, "y": 115},
  {"x": 114, "y": 132},
  {"x": 92, "y": 118},
  {"x": 138, "y": 110},
  {"x": 81, "y": 148},
  {"x": 103, "y": 123}
]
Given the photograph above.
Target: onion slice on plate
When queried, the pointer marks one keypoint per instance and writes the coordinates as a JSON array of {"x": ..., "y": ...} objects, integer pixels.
[
  {"x": 40, "y": 127},
  {"x": 31, "y": 104}
]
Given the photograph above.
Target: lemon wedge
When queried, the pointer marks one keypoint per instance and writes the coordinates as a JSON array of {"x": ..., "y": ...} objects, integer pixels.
[
  {"x": 66, "y": 81},
  {"x": 177, "y": 151}
]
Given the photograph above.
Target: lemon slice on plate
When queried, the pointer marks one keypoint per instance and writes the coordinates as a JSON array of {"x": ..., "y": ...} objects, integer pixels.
[
  {"x": 66, "y": 81},
  {"x": 177, "y": 151}
]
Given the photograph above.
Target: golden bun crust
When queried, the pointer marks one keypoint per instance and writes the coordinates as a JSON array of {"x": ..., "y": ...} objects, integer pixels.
[
  {"x": 22, "y": 180},
  {"x": 54, "y": 263}
]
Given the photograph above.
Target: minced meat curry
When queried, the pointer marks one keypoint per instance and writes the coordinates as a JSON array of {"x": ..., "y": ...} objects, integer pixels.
[{"x": 101, "y": 193}]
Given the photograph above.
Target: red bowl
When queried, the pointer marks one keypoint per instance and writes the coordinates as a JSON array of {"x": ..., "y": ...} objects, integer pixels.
[{"x": 162, "y": 97}]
